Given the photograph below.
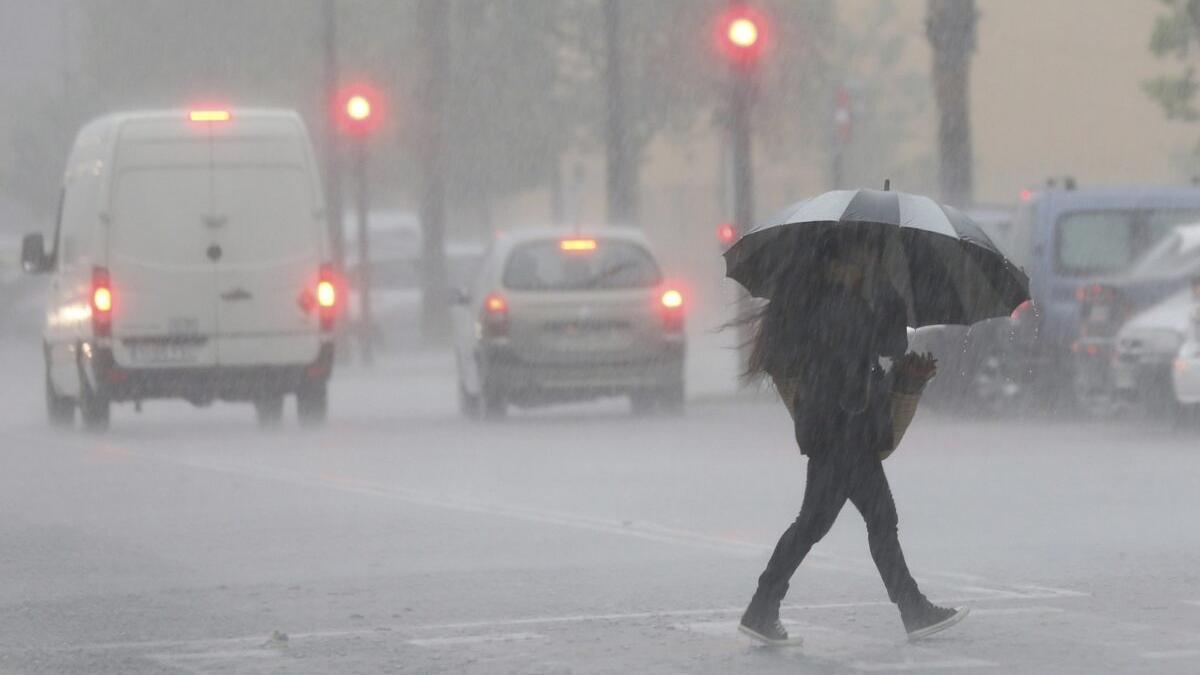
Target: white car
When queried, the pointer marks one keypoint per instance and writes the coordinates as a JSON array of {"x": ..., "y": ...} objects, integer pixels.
[
  {"x": 190, "y": 260},
  {"x": 1146, "y": 348},
  {"x": 556, "y": 316},
  {"x": 1185, "y": 376}
]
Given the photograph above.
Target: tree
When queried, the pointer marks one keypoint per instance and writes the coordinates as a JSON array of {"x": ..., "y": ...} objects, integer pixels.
[
  {"x": 950, "y": 28},
  {"x": 1176, "y": 37}
]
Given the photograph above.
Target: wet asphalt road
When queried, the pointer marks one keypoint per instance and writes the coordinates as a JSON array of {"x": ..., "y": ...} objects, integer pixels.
[{"x": 576, "y": 540}]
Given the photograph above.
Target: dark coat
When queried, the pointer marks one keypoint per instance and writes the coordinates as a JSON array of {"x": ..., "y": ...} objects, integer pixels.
[{"x": 829, "y": 344}]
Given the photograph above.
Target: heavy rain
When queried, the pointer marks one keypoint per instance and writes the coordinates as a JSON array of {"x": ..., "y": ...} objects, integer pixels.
[{"x": 595, "y": 336}]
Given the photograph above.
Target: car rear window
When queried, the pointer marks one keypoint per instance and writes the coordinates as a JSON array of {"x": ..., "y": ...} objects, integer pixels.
[
  {"x": 1101, "y": 242},
  {"x": 552, "y": 266}
]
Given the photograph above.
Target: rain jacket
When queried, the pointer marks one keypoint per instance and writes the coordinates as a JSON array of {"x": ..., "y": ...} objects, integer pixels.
[{"x": 823, "y": 353}]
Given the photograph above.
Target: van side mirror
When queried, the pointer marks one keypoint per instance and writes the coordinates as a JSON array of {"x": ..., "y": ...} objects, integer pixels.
[{"x": 33, "y": 254}]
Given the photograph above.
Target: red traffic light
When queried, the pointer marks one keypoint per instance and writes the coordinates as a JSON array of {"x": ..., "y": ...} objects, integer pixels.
[
  {"x": 357, "y": 110},
  {"x": 727, "y": 234},
  {"x": 741, "y": 33}
]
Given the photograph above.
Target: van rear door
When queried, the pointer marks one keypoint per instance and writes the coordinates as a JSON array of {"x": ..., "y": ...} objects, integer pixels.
[
  {"x": 269, "y": 232},
  {"x": 163, "y": 281}
]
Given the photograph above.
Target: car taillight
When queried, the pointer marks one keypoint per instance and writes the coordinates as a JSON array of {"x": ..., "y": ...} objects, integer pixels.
[
  {"x": 102, "y": 302},
  {"x": 495, "y": 315},
  {"x": 326, "y": 297},
  {"x": 671, "y": 306}
]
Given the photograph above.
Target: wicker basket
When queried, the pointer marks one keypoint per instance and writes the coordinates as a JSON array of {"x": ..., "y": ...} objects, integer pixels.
[{"x": 904, "y": 408}]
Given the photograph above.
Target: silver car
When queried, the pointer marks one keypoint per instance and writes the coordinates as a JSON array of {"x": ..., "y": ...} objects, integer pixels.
[{"x": 555, "y": 317}]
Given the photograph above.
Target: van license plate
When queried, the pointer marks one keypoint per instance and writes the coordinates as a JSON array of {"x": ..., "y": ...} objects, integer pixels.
[{"x": 162, "y": 352}]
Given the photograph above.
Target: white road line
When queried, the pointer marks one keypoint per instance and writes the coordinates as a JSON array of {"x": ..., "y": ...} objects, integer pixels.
[
  {"x": 878, "y": 667},
  {"x": 1172, "y": 654},
  {"x": 1005, "y": 611},
  {"x": 475, "y": 639}
]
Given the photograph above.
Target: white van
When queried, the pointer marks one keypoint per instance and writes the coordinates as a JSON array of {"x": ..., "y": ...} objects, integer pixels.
[{"x": 191, "y": 259}]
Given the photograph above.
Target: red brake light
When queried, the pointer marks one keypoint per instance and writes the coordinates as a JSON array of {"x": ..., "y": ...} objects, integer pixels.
[
  {"x": 495, "y": 315},
  {"x": 102, "y": 302},
  {"x": 209, "y": 116},
  {"x": 326, "y": 296},
  {"x": 577, "y": 244},
  {"x": 671, "y": 306},
  {"x": 495, "y": 304},
  {"x": 102, "y": 299}
]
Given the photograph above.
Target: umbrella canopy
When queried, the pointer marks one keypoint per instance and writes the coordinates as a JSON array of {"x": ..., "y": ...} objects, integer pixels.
[{"x": 940, "y": 261}]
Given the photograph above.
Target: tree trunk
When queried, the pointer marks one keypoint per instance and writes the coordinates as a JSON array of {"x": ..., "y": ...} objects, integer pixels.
[
  {"x": 433, "y": 18},
  {"x": 621, "y": 178},
  {"x": 950, "y": 28}
]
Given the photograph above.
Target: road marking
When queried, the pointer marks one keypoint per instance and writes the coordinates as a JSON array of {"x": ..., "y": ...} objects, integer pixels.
[
  {"x": 878, "y": 667},
  {"x": 475, "y": 639},
  {"x": 1172, "y": 654},
  {"x": 1005, "y": 611}
]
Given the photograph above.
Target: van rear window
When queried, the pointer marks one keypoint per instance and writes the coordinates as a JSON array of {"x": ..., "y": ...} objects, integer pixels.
[
  {"x": 1103, "y": 242},
  {"x": 553, "y": 265}
]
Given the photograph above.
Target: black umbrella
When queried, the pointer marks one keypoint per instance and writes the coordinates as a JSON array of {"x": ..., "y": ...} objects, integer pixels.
[{"x": 939, "y": 260}]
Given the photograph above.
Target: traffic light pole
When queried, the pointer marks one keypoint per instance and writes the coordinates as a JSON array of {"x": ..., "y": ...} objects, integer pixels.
[
  {"x": 366, "y": 323},
  {"x": 741, "y": 95}
]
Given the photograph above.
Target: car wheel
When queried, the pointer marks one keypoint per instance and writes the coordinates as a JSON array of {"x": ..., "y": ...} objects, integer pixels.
[
  {"x": 312, "y": 404},
  {"x": 60, "y": 410},
  {"x": 94, "y": 409},
  {"x": 671, "y": 398},
  {"x": 468, "y": 403},
  {"x": 492, "y": 399},
  {"x": 269, "y": 410}
]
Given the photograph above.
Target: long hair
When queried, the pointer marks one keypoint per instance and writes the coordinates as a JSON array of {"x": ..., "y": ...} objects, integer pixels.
[{"x": 791, "y": 287}]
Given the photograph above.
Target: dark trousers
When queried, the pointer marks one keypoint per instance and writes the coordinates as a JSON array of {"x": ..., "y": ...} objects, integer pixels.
[{"x": 856, "y": 475}]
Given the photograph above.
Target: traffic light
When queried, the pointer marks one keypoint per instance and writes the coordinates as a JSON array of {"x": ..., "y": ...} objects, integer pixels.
[
  {"x": 741, "y": 35},
  {"x": 727, "y": 233},
  {"x": 357, "y": 111}
]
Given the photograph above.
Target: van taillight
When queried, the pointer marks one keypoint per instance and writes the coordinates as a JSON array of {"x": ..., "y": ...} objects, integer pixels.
[
  {"x": 102, "y": 302},
  {"x": 671, "y": 305},
  {"x": 326, "y": 297},
  {"x": 495, "y": 315}
]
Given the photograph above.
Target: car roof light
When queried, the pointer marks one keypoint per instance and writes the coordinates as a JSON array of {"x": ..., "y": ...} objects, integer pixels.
[
  {"x": 209, "y": 116},
  {"x": 577, "y": 244}
]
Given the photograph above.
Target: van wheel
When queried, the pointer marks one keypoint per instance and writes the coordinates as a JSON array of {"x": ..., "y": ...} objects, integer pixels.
[
  {"x": 269, "y": 411},
  {"x": 671, "y": 398},
  {"x": 60, "y": 410},
  {"x": 312, "y": 404},
  {"x": 468, "y": 403},
  {"x": 492, "y": 398},
  {"x": 94, "y": 409}
]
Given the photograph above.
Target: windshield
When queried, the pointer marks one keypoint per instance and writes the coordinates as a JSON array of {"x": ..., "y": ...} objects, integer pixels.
[
  {"x": 1104, "y": 242},
  {"x": 545, "y": 266}
]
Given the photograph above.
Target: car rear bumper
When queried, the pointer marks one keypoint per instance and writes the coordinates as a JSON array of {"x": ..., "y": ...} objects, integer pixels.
[
  {"x": 520, "y": 378},
  {"x": 202, "y": 384}
]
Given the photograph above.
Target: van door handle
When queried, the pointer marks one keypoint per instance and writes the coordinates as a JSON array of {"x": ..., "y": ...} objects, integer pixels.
[{"x": 214, "y": 253}]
